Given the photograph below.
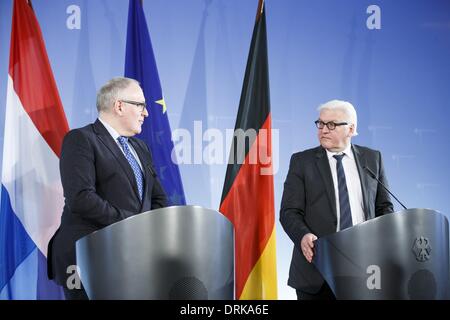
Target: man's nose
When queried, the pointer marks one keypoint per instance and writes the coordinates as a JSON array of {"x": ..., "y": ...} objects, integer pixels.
[{"x": 145, "y": 112}]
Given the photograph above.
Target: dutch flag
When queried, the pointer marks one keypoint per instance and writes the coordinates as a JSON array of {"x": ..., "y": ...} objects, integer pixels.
[{"x": 31, "y": 192}]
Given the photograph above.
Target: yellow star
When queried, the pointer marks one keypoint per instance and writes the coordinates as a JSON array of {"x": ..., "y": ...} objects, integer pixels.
[{"x": 163, "y": 103}]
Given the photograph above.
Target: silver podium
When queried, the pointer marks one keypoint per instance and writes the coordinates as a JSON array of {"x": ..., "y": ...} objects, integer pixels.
[
  {"x": 404, "y": 255},
  {"x": 181, "y": 252}
]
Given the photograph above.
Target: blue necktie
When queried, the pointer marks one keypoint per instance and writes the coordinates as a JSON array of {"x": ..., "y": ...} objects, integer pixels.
[
  {"x": 134, "y": 165},
  {"x": 344, "y": 203}
]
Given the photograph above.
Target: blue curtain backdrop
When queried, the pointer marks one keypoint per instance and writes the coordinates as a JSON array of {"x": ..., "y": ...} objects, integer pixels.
[{"x": 397, "y": 77}]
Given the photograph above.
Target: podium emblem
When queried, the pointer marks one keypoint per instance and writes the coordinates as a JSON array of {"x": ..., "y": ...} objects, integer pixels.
[{"x": 422, "y": 249}]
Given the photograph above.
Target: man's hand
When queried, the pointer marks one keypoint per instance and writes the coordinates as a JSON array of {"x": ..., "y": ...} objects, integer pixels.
[{"x": 307, "y": 246}]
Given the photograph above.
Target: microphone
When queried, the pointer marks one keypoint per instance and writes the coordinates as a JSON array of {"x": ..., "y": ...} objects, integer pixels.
[
  {"x": 370, "y": 172},
  {"x": 152, "y": 171}
]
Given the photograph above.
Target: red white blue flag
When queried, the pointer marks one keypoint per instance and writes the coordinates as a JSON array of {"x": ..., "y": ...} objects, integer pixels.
[{"x": 31, "y": 191}]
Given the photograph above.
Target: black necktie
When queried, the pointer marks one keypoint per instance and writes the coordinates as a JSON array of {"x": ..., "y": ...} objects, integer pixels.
[{"x": 344, "y": 203}]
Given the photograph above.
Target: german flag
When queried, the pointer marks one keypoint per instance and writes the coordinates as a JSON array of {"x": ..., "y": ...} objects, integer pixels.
[{"x": 248, "y": 197}]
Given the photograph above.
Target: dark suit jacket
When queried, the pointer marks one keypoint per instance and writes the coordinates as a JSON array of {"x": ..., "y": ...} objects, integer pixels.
[
  {"x": 99, "y": 189},
  {"x": 309, "y": 204}
]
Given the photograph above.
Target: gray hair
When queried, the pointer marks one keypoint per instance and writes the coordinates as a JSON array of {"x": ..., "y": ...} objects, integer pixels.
[
  {"x": 109, "y": 93},
  {"x": 344, "y": 106}
]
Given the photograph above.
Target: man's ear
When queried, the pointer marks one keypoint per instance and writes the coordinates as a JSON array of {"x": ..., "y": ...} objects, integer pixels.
[
  {"x": 118, "y": 108},
  {"x": 351, "y": 131}
]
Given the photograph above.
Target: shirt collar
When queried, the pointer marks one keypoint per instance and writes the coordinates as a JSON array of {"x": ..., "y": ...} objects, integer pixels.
[
  {"x": 114, "y": 134},
  {"x": 348, "y": 152}
]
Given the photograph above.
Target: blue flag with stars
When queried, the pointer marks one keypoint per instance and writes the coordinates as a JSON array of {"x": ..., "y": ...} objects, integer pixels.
[{"x": 140, "y": 64}]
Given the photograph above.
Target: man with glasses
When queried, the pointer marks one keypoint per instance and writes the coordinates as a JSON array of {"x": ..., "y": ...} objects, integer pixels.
[
  {"x": 327, "y": 190},
  {"x": 107, "y": 176}
]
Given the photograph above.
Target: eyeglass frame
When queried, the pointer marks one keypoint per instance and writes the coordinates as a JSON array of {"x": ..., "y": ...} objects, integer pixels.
[
  {"x": 327, "y": 124},
  {"x": 142, "y": 105}
]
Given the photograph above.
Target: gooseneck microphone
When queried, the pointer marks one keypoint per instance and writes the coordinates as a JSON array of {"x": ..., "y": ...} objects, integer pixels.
[
  {"x": 152, "y": 171},
  {"x": 370, "y": 172}
]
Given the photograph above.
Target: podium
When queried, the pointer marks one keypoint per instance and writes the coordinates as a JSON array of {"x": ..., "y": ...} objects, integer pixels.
[
  {"x": 404, "y": 255},
  {"x": 180, "y": 252}
]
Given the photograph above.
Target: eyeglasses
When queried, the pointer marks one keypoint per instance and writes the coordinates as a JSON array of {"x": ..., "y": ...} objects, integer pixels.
[
  {"x": 330, "y": 125},
  {"x": 141, "y": 105}
]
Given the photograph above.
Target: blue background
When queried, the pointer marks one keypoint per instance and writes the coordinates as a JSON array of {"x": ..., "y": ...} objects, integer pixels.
[{"x": 397, "y": 77}]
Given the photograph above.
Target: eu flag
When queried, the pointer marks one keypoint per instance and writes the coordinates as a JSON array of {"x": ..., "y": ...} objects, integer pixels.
[{"x": 140, "y": 64}]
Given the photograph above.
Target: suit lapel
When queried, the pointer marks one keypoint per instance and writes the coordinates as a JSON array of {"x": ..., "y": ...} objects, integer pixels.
[
  {"x": 360, "y": 160},
  {"x": 325, "y": 171},
  {"x": 104, "y": 136}
]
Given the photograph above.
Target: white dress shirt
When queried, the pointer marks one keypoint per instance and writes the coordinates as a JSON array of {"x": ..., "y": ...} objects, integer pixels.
[
  {"x": 114, "y": 134},
  {"x": 353, "y": 185}
]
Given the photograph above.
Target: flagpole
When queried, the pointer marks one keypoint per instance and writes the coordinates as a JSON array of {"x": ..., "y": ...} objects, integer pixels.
[{"x": 260, "y": 9}]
